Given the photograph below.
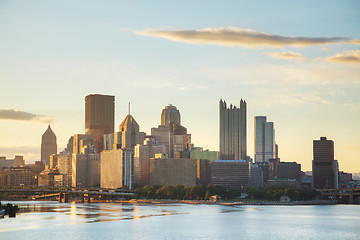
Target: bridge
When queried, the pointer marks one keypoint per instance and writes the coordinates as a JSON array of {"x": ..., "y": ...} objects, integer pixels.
[
  {"x": 65, "y": 194},
  {"x": 351, "y": 196}
]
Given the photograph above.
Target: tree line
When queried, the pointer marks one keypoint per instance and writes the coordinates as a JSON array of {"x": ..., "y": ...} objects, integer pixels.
[
  {"x": 198, "y": 192},
  {"x": 274, "y": 193}
]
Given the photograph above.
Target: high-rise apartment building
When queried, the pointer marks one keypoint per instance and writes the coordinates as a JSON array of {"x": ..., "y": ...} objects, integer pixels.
[
  {"x": 232, "y": 131},
  {"x": 264, "y": 139},
  {"x": 48, "y": 145},
  {"x": 99, "y": 113},
  {"x": 323, "y": 164}
]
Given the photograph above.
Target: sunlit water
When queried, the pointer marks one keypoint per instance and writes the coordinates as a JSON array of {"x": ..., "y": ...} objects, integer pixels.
[{"x": 51, "y": 220}]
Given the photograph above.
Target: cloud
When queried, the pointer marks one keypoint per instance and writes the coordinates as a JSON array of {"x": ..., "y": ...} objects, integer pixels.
[
  {"x": 288, "y": 55},
  {"x": 233, "y": 36},
  {"x": 11, "y": 114},
  {"x": 349, "y": 57},
  {"x": 297, "y": 99}
]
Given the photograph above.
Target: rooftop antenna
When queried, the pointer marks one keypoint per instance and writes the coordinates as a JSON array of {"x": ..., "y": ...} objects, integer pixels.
[{"x": 129, "y": 108}]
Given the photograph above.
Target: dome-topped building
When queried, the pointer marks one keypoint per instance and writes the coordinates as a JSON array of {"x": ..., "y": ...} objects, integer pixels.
[
  {"x": 48, "y": 145},
  {"x": 170, "y": 114}
]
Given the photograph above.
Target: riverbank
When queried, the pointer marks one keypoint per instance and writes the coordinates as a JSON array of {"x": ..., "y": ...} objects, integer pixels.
[{"x": 227, "y": 203}]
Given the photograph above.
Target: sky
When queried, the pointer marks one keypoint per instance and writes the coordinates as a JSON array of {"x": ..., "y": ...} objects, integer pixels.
[{"x": 296, "y": 62}]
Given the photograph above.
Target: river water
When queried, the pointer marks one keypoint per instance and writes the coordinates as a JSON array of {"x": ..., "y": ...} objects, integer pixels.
[{"x": 52, "y": 220}]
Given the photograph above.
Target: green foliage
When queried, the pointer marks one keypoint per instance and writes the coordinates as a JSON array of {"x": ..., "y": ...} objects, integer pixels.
[
  {"x": 180, "y": 192},
  {"x": 274, "y": 193}
]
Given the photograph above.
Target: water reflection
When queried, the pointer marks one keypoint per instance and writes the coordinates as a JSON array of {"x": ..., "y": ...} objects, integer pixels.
[{"x": 182, "y": 221}]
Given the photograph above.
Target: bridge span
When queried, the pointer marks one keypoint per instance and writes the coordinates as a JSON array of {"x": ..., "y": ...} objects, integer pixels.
[
  {"x": 351, "y": 196},
  {"x": 68, "y": 194}
]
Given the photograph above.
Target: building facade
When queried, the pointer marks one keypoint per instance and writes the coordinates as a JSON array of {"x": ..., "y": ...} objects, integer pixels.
[
  {"x": 171, "y": 134},
  {"x": 48, "y": 145},
  {"x": 16, "y": 162},
  {"x": 201, "y": 154},
  {"x": 86, "y": 165},
  {"x": 99, "y": 117},
  {"x": 65, "y": 168},
  {"x": 17, "y": 176},
  {"x": 99, "y": 113},
  {"x": 289, "y": 170},
  {"x": 232, "y": 125},
  {"x": 116, "y": 168},
  {"x": 323, "y": 164},
  {"x": 142, "y": 155},
  {"x": 175, "y": 171},
  {"x": 231, "y": 174},
  {"x": 264, "y": 139}
]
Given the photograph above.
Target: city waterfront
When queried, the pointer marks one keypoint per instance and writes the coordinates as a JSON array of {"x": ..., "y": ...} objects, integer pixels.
[{"x": 52, "y": 220}]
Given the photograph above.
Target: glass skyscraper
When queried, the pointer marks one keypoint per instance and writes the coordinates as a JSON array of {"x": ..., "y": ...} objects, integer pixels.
[{"x": 264, "y": 139}]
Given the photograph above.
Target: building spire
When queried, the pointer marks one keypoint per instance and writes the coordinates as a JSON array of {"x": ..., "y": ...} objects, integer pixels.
[{"x": 129, "y": 108}]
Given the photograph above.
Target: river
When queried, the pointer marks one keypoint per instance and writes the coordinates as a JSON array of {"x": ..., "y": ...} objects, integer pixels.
[{"x": 52, "y": 220}]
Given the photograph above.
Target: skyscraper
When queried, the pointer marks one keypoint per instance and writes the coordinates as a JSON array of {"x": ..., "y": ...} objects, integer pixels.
[
  {"x": 171, "y": 134},
  {"x": 99, "y": 117},
  {"x": 323, "y": 164},
  {"x": 99, "y": 114},
  {"x": 129, "y": 134},
  {"x": 48, "y": 145},
  {"x": 170, "y": 114},
  {"x": 232, "y": 131},
  {"x": 264, "y": 139}
]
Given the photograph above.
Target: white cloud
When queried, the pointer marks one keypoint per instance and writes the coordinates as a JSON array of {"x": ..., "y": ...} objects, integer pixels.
[
  {"x": 233, "y": 36},
  {"x": 288, "y": 55},
  {"x": 352, "y": 56}
]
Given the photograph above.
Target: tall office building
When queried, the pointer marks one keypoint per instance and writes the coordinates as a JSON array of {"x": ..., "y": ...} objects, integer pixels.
[
  {"x": 99, "y": 117},
  {"x": 99, "y": 113},
  {"x": 86, "y": 164},
  {"x": 232, "y": 131},
  {"x": 264, "y": 139},
  {"x": 48, "y": 145},
  {"x": 170, "y": 114},
  {"x": 323, "y": 165},
  {"x": 116, "y": 168},
  {"x": 171, "y": 134},
  {"x": 142, "y": 155},
  {"x": 128, "y": 137}
]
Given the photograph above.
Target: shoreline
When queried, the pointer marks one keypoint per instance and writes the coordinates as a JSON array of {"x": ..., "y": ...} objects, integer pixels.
[
  {"x": 224, "y": 203},
  {"x": 230, "y": 203}
]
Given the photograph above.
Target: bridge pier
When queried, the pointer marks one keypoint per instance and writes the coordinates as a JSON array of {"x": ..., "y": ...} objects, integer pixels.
[
  {"x": 85, "y": 198},
  {"x": 66, "y": 198},
  {"x": 351, "y": 198}
]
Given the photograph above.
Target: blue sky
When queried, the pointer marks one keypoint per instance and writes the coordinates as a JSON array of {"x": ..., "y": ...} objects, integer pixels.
[{"x": 54, "y": 53}]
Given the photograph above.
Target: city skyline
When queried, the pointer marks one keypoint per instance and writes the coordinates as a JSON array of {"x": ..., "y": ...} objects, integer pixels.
[{"x": 300, "y": 69}]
